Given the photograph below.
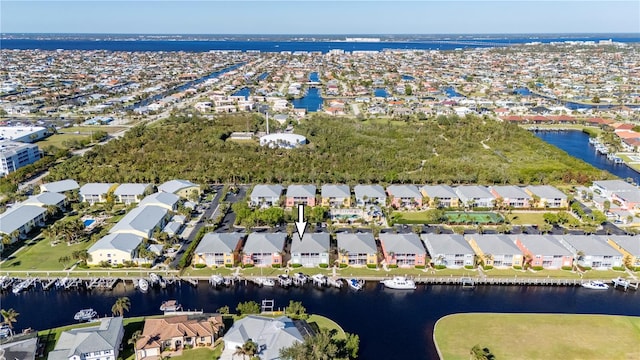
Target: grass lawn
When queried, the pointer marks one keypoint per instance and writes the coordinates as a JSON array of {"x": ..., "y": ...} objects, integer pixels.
[
  {"x": 539, "y": 336},
  {"x": 326, "y": 323},
  {"x": 57, "y": 140},
  {"x": 200, "y": 354},
  {"x": 40, "y": 255},
  {"x": 629, "y": 162},
  {"x": 526, "y": 218},
  {"x": 476, "y": 217},
  {"x": 88, "y": 129}
]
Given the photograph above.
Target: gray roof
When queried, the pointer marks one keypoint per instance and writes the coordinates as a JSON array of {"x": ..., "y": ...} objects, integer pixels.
[
  {"x": 335, "y": 191},
  {"x": 88, "y": 339},
  {"x": 172, "y": 228},
  {"x": 404, "y": 191},
  {"x": 219, "y": 243},
  {"x": 131, "y": 189},
  {"x": 266, "y": 191},
  {"x": 120, "y": 241},
  {"x": 45, "y": 199},
  {"x": 143, "y": 219},
  {"x": 370, "y": 191},
  {"x": 95, "y": 188},
  {"x": 440, "y": 191},
  {"x": 270, "y": 334},
  {"x": 542, "y": 244},
  {"x": 167, "y": 199},
  {"x": 629, "y": 196},
  {"x": 311, "y": 242},
  {"x": 301, "y": 191},
  {"x": 446, "y": 244},
  {"x": 357, "y": 243},
  {"x": 590, "y": 245},
  {"x": 546, "y": 192},
  {"x": 473, "y": 192},
  {"x": 615, "y": 185},
  {"x": 174, "y": 186},
  {"x": 495, "y": 244},
  {"x": 14, "y": 218},
  {"x": 511, "y": 192},
  {"x": 402, "y": 243},
  {"x": 60, "y": 186},
  {"x": 629, "y": 243},
  {"x": 265, "y": 243},
  {"x": 21, "y": 349}
]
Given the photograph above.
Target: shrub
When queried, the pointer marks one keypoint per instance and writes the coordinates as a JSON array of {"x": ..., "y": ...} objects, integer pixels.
[
  {"x": 372, "y": 266},
  {"x": 119, "y": 266},
  {"x": 517, "y": 267},
  {"x": 275, "y": 266},
  {"x": 537, "y": 268},
  {"x": 585, "y": 268},
  {"x": 487, "y": 267},
  {"x": 567, "y": 268},
  {"x": 247, "y": 266},
  {"x": 200, "y": 266},
  {"x": 618, "y": 268},
  {"x": 440, "y": 267},
  {"x": 468, "y": 267},
  {"x": 228, "y": 265},
  {"x": 342, "y": 266},
  {"x": 419, "y": 266},
  {"x": 296, "y": 265},
  {"x": 635, "y": 268},
  {"x": 393, "y": 266},
  {"x": 324, "y": 266}
]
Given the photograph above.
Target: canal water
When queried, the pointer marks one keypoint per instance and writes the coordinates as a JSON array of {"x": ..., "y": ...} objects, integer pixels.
[
  {"x": 313, "y": 77},
  {"x": 392, "y": 324},
  {"x": 576, "y": 144},
  {"x": 312, "y": 101}
]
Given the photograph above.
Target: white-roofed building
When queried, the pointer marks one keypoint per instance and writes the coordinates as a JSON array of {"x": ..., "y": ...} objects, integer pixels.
[
  {"x": 547, "y": 196},
  {"x": 115, "y": 248},
  {"x": 168, "y": 201},
  {"x": 335, "y": 195},
  {"x": 403, "y": 250},
  {"x": 14, "y": 155},
  {"x": 370, "y": 195},
  {"x": 219, "y": 249},
  {"x": 264, "y": 249},
  {"x": 20, "y": 220},
  {"x": 266, "y": 195},
  {"x": 95, "y": 192},
  {"x": 142, "y": 221},
  {"x": 450, "y": 250},
  {"x": 60, "y": 186},
  {"x": 131, "y": 193},
  {"x": 182, "y": 188},
  {"x": 357, "y": 249},
  {"x": 47, "y": 199},
  {"x": 311, "y": 251},
  {"x": 97, "y": 342}
]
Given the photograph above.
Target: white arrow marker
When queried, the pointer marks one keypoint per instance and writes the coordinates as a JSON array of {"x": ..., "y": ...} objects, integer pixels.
[{"x": 301, "y": 225}]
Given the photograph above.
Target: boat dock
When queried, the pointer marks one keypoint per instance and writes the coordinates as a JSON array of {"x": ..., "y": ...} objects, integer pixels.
[
  {"x": 102, "y": 283},
  {"x": 624, "y": 284}
]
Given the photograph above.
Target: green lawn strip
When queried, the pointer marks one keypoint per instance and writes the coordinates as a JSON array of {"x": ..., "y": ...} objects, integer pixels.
[
  {"x": 40, "y": 255},
  {"x": 526, "y": 218},
  {"x": 628, "y": 161},
  {"x": 539, "y": 336},
  {"x": 201, "y": 353},
  {"x": 57, "y": 140},
  {"x": 326, "y": 323},
  {"x": 86, "y": 130}
]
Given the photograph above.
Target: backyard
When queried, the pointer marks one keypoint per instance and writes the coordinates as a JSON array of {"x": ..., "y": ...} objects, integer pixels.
[{"x": 39, "y": 254}]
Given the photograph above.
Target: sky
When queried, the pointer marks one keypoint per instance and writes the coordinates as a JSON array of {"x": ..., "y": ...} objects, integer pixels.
[{"x": 319, "y": 17}]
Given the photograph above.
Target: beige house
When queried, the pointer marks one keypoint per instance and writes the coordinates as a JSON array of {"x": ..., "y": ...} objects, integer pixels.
[
  {"x": 182, "y": 188},
  {"x": 115, "y": 249}
]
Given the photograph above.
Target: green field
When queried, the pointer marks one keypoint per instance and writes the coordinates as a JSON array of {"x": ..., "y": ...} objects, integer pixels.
[
  {"x": 40, "y": 255},
  {"x": 459, "y": 217},
  {"x": 526, "y": 218},
  {"x": 539, "y": 336},
  {"x": 57, "y": 140}
]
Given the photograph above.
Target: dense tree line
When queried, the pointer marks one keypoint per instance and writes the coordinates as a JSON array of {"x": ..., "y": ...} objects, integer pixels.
[{"x": 437, "y": 150}]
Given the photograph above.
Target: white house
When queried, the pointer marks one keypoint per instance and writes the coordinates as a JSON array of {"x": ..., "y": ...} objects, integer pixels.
[
  {"x": 99, "y": 342},
  {"x": 131, "y": 193},
  {"x": 270, "y": 335},
  {"x": 95, "y": 192}
]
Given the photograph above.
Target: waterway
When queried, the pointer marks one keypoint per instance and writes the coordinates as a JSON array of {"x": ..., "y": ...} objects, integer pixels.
[
  {"x": 576, "y": 144},
  {"x": 313, "y": 77},
  {"x": 312, "y": 101},
  {"x": 391, "y": 324},
  {"x": 451, "y": 92}
]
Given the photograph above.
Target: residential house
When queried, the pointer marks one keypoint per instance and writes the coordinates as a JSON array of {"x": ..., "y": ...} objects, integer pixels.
[
  {"x": 310, "y": 251},
  {"x": 168, "y": 201},
  {"x": 176, "y": 333},
  {"x": 592, "y": 251},
  {"x": 264, "y": 249},
  {"x": 95, "y": 192},
  {"x": 496, "y": 250},
  {"x": 60, "y": 186},
  {"x": 608, "y": 188},
  {"x": 543, "y": 251},
  {"x": 547, "y": 196},
  {"x": 357, "y": 249},
  {"x": 403, "y": 250},
  {"x": 404, "y": 196},
  {"x": 183, "y": 188},
  {"x": 142, "y": 221},
  {"x": 440, "y": 196},
  {"x": 627, "y": 200},
  {"x": 510, "y": 196},
  {"x": 219, "y": 249},
  {"x": 47, "y": 199},
  {"x": 131, "y": 193},
  {"x": 370, "y": 195},
  {"x": 20, "y": 347},
  {"x": 300, "y": 194},
  {"x": 115, "y": 248},
  {"x": 628, "y": 246},
  {"x": 96, "y": 342},
  {"x": 270, "y": 334},
  {"x": 336, "y": 196},
  {"x": 19, "y": 220},
  {"x": 450, "y": 250},
  {"x": 266, "y": 195},
  {"x": 475, "y": 196}
]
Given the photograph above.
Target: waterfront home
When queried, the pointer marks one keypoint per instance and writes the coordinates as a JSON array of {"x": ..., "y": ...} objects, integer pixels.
[
  {"x": 628, "y": 246},
  {"x": 450, "y": 250},
  {"x": 60, "y": 186},
  {"x": 20, "y": 347},
  {"x": 270, "y": 334},
  {"x": 512, "y": 196},
  {"x": 101, "y": 341},
  {"x": 547, "y": 196},
  {"x": 474, "y": 196},
  {"x": 131, "y": 193},
  {"x": 335, "y": 196},
  {"x": 404, "y": 196},
  {"x": 543, "y": 251},
  {"x": 175, "y": 333},
  {"x": 142, "y": 221},
  {"x": 310, "y": 251},
  {"x": 115, "y": 248},
  {"x": 592, "y": 251},
  {"x": 357, "y": 249},
  {"x": 496, "y": 250},
  {"x": 19, "y": 220},
  {"x": 266, "y": 195},
  {"x": 168, "y": 201},
  {"x": 440, "y": 196},
  {"x": 47, "y": 199},
  {"x": 182, "y": 188},
  {"x": 370, "y": 195},
  {"x": 219, "y": 249},
  {"x": 264, "y": 249},
  {"x": 402, "y": 250},
  {"x": 95, "y": 192},
  {"x": 608, "y": 188},
  {"x": 300, "y": 194},
  {"x": 626, "y": 200}
]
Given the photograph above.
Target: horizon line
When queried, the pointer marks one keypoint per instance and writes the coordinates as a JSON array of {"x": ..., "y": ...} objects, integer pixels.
[{"x": 321, "y": 34}]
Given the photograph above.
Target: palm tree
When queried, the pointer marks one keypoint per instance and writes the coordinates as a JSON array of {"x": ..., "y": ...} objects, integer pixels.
[
  {"x": 9, "y": 317},
  {"x": 480, "y": 353},
  {"x": 134, "y": 337},
  {"x": 120, "y": 306}
]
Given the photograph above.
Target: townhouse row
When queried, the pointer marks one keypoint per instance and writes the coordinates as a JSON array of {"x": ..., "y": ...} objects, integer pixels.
[
  {"x": 410, "y": 196},
  {"x": 410, "y": 250}
]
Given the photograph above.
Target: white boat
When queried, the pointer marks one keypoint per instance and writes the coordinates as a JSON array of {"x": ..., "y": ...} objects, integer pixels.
[
  {"x": 399, "y": 283},
  {"x": 85, "y": 315},
  {"x": 154, "y": 278},
  {"x": 356, "y": 284},
  {"x": 619, "y": 281},
  {"x": 595, "y": 285},
  {"x": 143, "y": 284},
  {"x": 5, "y": 331},
  {"x": 268, "y": 282},
  {"x": 300, "y": 279},
  {"x": 285, "y": 280},
  {"x": 170, "y": 306},
  {"x": 216, "y": 280},
  {"x": 319, "y": 280}
]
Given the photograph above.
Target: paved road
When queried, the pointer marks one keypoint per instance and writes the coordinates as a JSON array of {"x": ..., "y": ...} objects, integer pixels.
[{"x": 230, "y": 217}]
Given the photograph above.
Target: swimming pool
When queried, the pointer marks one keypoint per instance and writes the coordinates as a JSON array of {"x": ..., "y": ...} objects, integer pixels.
[{"x": 88, "y": 222}]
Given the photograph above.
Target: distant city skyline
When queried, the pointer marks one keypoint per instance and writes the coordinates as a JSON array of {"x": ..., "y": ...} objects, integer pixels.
[{"x": 319, "y": 17}]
